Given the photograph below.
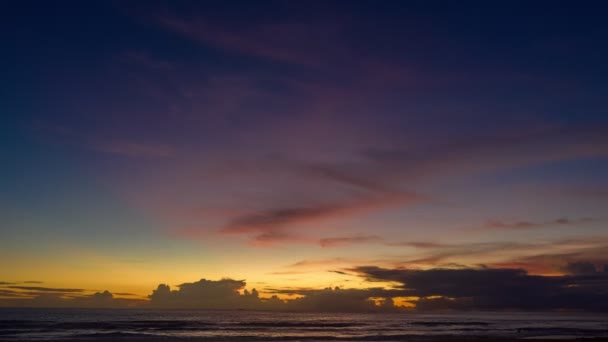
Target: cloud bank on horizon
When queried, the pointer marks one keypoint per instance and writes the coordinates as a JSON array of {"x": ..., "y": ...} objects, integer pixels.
[{"x": 583, "y": 288}]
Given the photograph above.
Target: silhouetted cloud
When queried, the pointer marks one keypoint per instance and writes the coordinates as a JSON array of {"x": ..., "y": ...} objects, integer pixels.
[
  {"x": 340, "y": 300},
  {"x": 480, "y": 288},
  {"x": 209, "y": 294},
  {"x": 46, "y": 289},
  {"x": 494, "y": 289},
  {"x": 124, "y": 294},
  {"x": 226, "y": 294},
  {"x": 580, "y": 268},
  {"x": 64, "y": 298}
]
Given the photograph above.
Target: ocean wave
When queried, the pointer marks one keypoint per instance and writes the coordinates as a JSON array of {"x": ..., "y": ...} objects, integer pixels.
[{"x": 439, "y": 323}]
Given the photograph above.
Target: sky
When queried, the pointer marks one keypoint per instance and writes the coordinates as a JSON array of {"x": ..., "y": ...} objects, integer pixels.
[{"x": 331, "y": 155}]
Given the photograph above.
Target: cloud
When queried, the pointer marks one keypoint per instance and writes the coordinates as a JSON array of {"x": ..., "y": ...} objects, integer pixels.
[
  {"x": 496, "y": 224},
  {"x": 337, "y": 241},
  {"x": 567, "y": 256},
  {"x": 494, "y": 289},
  {"x": 64, "y": 298},
  {"x": 226, "y": 294},
  {"x": 374, "y": 239},
  {"x": 272, "y": 225},
  {"x": 340, "y": 300},
  {"x": 508, "y": 148},
  {"x": 285, "y": 41},
  {"x": 418, "y": 244},
  {"x": 321, "y": 262},
  {"x": 541, "y": 257},
  {"x": 481, "y": 288},
  {"x": 208, "y": 294},
  {"x": 46, "y": 289},
  {"x": 124, "y": 294},
  {"x": 580, "y": 268}
]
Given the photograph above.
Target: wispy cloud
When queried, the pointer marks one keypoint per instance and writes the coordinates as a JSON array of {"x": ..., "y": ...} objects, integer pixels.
[
  {"x": 280, "y": 41},
  {"x": 272, "y": 225},
  {"x": 337, "y": 241},
  {"x": 496, "y": 224},
  {"x": 45, "y": 289}
]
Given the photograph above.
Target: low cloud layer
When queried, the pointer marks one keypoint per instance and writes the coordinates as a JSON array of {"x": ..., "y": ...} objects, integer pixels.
[
  {"x": 497, "y": 289},
  {"x": 582, "y": 289}
]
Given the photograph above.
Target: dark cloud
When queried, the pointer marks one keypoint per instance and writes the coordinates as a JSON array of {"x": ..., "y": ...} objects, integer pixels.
[
  {"x": 46, "y": 289},
  {"x": 208, "y": 294},
  {"x": 580, "y": 268},
  {"x": 495, "y": 289},
  {"x": 231, "y": 294},
  {"x": 340, "y": 300},
  {"x": 124, "y": 294},
  {"x": 69, "y": 299},
  {"x": 481, "y": 288},
  {"x": 418, "y": 244}
]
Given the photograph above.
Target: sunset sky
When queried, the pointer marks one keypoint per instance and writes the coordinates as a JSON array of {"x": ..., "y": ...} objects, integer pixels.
[{"x": 298, "y": 145}]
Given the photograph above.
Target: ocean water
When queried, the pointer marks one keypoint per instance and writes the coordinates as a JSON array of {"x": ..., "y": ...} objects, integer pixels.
[{"x": 178, "y": 325}]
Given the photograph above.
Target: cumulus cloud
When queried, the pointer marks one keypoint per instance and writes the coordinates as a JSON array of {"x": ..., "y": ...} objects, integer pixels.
[
  {"x": 231, "y": 294},
  {"x": 210, "y": 294},
  {"x": 480, "y": 288},
  {"x": 341, "y": 300}
]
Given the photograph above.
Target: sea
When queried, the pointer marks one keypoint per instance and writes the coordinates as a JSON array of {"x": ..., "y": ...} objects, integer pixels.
[{"x": 199, "y": 325}]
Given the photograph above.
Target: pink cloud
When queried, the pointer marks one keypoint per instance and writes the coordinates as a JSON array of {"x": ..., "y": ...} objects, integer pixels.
[
  {"x": 338, "y": 241},
  {"x": 273, "y": 225}
]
